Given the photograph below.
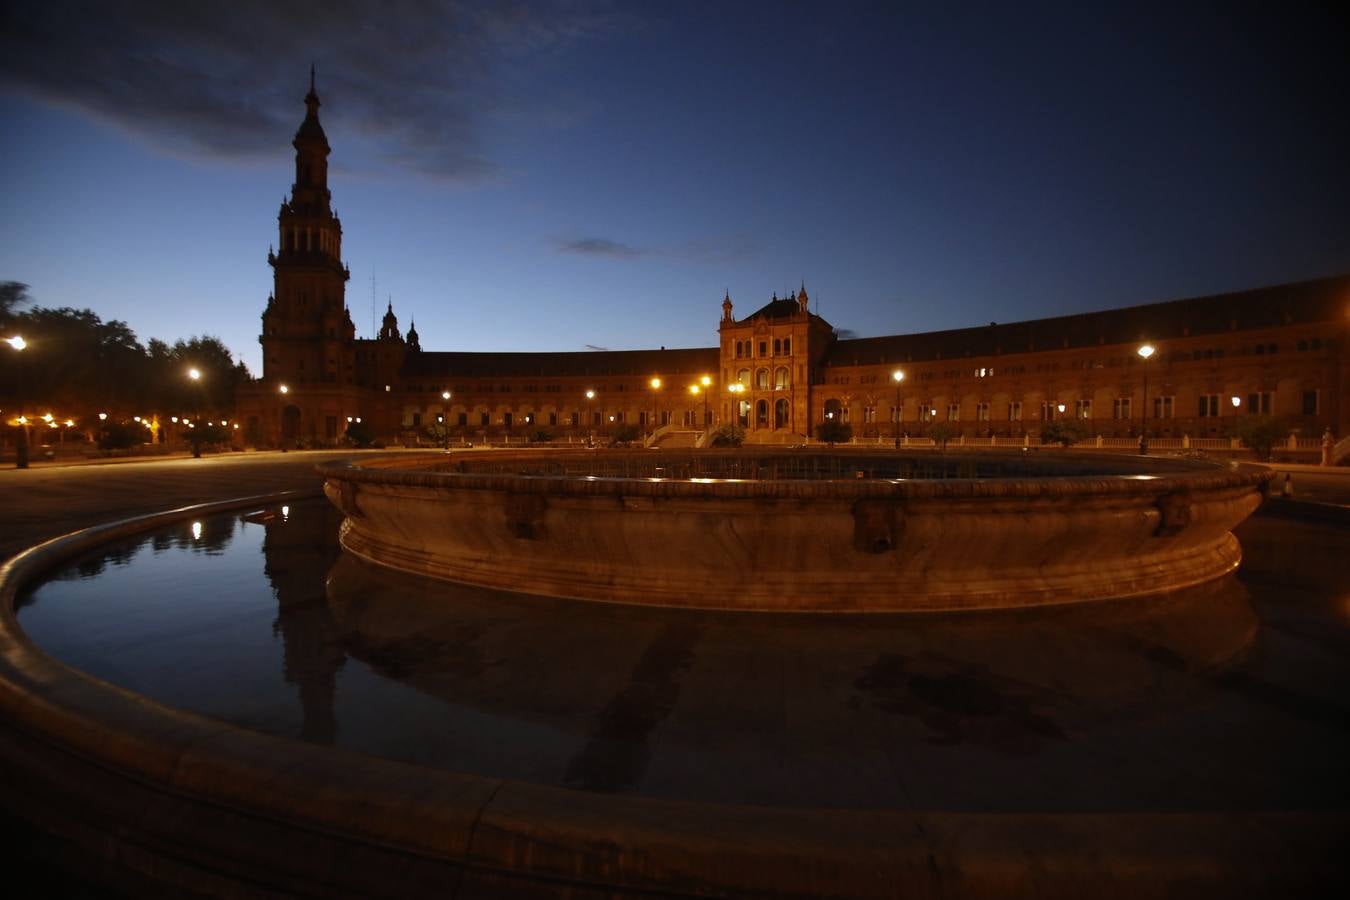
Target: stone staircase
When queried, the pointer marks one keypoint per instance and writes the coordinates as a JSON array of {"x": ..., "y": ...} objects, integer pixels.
[{"x": 675, "y": 439}]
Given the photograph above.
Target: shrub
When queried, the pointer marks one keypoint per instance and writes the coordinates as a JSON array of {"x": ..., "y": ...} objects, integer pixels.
[
  {"x": 121, "y": 436},
  {"x": 359, "y": 435},
  {"x": 833, "y": 431},
  {"x": 541, "y": 436},
  {"x": 1065, "y": 432},
  {"x": 1260, "y": 434},
  {"x": 729, "y": 434},
  {"x": 625, "y": 433},
  {"x": 941, "y": 433}
]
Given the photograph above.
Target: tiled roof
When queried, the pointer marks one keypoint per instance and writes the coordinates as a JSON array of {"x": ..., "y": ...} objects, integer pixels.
[
  {"x": 665, "y": 363},
  {"x": 1326, "y": 299},
  {"x": 774, "y": 309}
]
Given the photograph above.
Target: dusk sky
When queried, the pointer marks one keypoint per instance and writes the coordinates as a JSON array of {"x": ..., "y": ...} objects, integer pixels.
[{"x": 547, "y": 176}]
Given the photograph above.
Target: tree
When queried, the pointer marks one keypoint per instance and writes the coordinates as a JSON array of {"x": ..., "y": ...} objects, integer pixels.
[
  {"x": 728, "y": 434},
  {"x": 359, "y": 435},
  {"x": 541, "y": 436},
  {"x": 1260, "y": 434},
  {"x": 833, "y": 431},
  {"x": 1065, "y": 432},
  {"x": 624, "y": 433},
  {"x": 13, "y": 294},
  {"x": 941, "y": 433}
]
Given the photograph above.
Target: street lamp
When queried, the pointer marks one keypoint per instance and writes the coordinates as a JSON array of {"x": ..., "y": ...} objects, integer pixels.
[
  {"x": 897, "y": 376},
  {"x": 445, "y": 418},
  {"x": 196, "y": 437},
  {"x": 705, "y": 383},
  {"x": 21, "y": 440},
  {"x": 283, "y": 390},
  {"x": 590, "y": 435},
  {"x": 655, "y": 386},
  {"x": 1145, "y": 352},
  {"x": 1237, "y": 401}
]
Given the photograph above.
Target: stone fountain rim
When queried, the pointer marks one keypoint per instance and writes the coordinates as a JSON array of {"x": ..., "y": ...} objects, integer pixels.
[{"x": 1204, "y": 475}]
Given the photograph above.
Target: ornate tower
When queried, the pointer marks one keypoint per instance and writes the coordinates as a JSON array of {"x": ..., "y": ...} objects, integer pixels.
[{"x": 307, "y": 332}]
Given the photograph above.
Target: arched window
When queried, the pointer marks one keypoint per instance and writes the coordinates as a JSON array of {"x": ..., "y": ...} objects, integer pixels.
[
  {"x": 762, "y": 413},
  {"x": 777, "y": 347},
  {"x": 787, "y": 346},
  {"x": 780, "y": 414},
  {"x": 743, "y": 376},
  {"x": 834, "y": 409},
  {"x": 762, "y": 380},
  {"x": 780, "y": 378},
  {"x": 738, "y": 349}
]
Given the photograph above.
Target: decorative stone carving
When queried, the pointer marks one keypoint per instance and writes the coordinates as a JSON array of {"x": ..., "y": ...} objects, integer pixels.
[{"x": 876, "y": 525}]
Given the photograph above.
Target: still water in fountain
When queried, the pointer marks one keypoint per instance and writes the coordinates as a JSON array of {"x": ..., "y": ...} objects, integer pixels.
[{"x": 1231, "y": 695}]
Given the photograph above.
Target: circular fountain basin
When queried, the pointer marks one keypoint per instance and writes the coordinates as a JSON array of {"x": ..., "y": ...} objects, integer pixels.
[{"x": 808, "y": 531}]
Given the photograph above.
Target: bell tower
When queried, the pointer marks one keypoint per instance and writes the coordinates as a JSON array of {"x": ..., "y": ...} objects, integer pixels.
[{"x": 307, "y": 332}]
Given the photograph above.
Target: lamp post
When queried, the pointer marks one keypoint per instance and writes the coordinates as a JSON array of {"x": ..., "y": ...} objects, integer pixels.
[
  {"x": 590, "y": 419},
  {"x": 655, "y": 384},
  {"x": 195, "y": 437},
  {"x": 21, "y": 440},
  {"x": 897, "y": 376},
  {"x": 283, "y": 390},
  {"x": 704, "y": 384},
  {"x": 445, "y": 417},
  {"x": 1145, "y": 352}
]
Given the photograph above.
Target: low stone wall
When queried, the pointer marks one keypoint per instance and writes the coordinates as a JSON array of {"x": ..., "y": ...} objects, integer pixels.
[{"x": 801, "y": 530}]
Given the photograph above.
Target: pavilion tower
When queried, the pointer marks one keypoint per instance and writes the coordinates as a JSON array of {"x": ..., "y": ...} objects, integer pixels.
[{"x": 307, "y": 332}]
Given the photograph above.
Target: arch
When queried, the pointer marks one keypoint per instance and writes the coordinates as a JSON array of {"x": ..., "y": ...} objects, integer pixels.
[
  {"x": 834, "y": 409},
  {"x": 743, "y": 376},
  {"x": 762, "y": 379},
  {"x": 290, "y": 425},
  {"x": 781, "y": 379},
  {"x": 782, "y": 416}
]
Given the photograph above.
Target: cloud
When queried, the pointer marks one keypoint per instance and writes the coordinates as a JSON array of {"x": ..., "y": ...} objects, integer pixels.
[
  {"x": 415, "y": 81},
  {"x": 721, "y": 250},
  {"x": 593, "y": 246}
]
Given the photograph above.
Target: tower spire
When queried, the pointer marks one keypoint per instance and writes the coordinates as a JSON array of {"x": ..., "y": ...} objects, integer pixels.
[{"x": 311, "y": 78}]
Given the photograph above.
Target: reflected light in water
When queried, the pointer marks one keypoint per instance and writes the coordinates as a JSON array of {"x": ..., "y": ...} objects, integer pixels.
[
  {"x": 196, "y": 531},
  {"x": 285, "y": 512}
]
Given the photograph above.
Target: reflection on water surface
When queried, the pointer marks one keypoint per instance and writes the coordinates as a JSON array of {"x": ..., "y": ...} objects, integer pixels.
[{"x": 1226, "y": 696}]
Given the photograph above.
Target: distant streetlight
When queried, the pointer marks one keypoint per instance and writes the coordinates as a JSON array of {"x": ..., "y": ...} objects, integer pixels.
[
  {"x": 1237, "y": 401},
  {"x": 17, "y": 343},
  {"x": 590, "y": 419},
  {"x": 283, "y": 390},
  {"x": 655, "y": 385},
  {"x": 1145, "y": 351},
  {"x": 444, "y": 418},
  {"x": 736, "y": 389},
  {"x": 897, "y": 376},
  {"x": 196, "y": 437}
]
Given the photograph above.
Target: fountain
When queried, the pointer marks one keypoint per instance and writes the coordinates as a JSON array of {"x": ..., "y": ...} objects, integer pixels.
[{"x": 801, "y": 531}]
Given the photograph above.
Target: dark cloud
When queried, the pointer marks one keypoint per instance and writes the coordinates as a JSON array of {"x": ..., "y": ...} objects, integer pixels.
[
  {"x": 599, "y": 247},
  {"x": 415, "y": 80}
]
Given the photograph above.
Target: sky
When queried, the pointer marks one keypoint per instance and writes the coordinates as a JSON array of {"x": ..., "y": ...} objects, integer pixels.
[{"x": 572, "y": 174}]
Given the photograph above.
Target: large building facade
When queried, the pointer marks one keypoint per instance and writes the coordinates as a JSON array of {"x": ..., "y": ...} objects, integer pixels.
[{"x": 781, "y": 370}]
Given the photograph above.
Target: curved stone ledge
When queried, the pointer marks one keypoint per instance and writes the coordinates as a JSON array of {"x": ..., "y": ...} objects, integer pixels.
[
  {"x": 186, "y": 804},
  {"x": 799, "y": 544}
]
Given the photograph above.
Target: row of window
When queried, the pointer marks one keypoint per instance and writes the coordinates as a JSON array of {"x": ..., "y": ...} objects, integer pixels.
[
  {"x": 781, "y": 347},
  {"x": 1122, "y": 408}
]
